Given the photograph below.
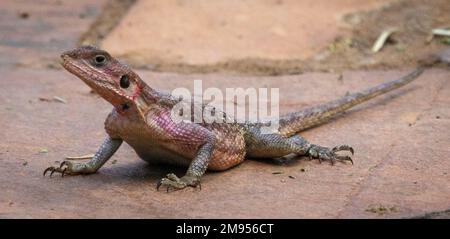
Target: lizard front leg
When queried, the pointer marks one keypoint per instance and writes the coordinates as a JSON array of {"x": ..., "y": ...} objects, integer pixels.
[
  {"x": 106, "y": 150},
  {"x": 196, "y": 169}
]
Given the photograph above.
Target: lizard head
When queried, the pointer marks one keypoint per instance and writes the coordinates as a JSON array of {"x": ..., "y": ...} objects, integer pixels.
[{"x": 109, "y": 78}]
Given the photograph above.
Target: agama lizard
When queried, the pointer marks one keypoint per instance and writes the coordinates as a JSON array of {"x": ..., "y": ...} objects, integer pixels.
[{"x": 141, "y": 117}]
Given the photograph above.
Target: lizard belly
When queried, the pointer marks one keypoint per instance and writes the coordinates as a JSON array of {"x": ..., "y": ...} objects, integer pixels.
[
  {"x": 154, "y": 153},
  {"x": 152, "y": 147}
]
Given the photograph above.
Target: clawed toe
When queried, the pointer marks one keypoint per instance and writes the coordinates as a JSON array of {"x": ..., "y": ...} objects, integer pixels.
[
  {"x": 345, "y": 158},
  {"x": 172, "y": 181},
  {"x": 52, "y": 170},
  {"x": 343, "y": 148},
  {"x": 61, "y": 169},
  {"x": 323, "y": 153}
]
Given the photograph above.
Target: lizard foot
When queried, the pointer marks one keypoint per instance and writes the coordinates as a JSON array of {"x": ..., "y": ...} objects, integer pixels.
[
  {"x": 324, "y": 153},
  {"x": 69, "y": 168},
  {"x": 61, "y": 169},
  {"x": 172, "y": 181}
]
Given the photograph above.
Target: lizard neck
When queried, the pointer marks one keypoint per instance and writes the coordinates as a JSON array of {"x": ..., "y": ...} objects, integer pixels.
[{"x": 147, "y": 98}]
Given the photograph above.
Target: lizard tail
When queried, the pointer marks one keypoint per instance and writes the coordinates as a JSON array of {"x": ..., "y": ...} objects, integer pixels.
[{"x": 295, "y": 122}]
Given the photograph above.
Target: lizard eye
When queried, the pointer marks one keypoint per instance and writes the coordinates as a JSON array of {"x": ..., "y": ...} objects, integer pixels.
[
  {"x": 99, "y": 60},
  {"x": 124, "y": 81}
]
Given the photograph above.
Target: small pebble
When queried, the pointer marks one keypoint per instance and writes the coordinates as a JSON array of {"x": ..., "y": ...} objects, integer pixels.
[{"x": 24, "y": 15}]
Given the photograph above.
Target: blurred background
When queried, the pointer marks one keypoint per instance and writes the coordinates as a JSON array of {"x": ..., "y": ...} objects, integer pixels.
[{"x": 270, "y": 37}]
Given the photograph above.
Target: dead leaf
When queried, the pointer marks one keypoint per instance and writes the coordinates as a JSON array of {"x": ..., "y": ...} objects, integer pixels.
[
  {"x": 59, "y": 99},
  {"x": 55, "y": 99},
  {"x": 381, "y": 40},
  {"x": 441, "y": 32}
]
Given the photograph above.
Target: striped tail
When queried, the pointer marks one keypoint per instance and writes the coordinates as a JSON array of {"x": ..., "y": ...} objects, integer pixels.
[{"x": 295, "y": 122}]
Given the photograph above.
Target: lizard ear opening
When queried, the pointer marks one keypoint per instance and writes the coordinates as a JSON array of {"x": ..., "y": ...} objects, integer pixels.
[{"x": 124, "y": 81}]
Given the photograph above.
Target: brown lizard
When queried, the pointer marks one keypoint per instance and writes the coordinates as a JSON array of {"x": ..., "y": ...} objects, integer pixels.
[{"x": 142, "y": 117}]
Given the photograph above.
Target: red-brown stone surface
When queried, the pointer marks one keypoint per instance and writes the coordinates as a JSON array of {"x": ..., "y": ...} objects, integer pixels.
[{"x": 401, "y": 161}]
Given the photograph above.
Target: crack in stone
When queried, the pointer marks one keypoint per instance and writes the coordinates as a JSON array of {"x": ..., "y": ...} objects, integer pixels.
[
  {"x": 384, "y": 161},
  {"x": 370, "y": 174}
]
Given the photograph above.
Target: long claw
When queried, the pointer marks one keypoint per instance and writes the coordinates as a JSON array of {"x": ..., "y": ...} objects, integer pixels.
[
  {"x": 62, "y": 173},
  {"x": 52, "y": 172},
  {"x": 343, "y": 147},
  {"x": 61, "y": 169},
  {"x": 345, "y": 158},
  {"x": 158, "y": 185},
  {"x": 350, "y": 159},
  {"x": 46, "y": 170}
]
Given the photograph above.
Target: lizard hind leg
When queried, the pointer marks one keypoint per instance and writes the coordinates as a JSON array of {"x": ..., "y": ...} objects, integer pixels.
[{"x": 276, "y": 146}]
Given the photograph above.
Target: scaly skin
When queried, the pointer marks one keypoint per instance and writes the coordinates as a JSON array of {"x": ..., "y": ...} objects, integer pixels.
[{"x": 142, "y": 118}]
